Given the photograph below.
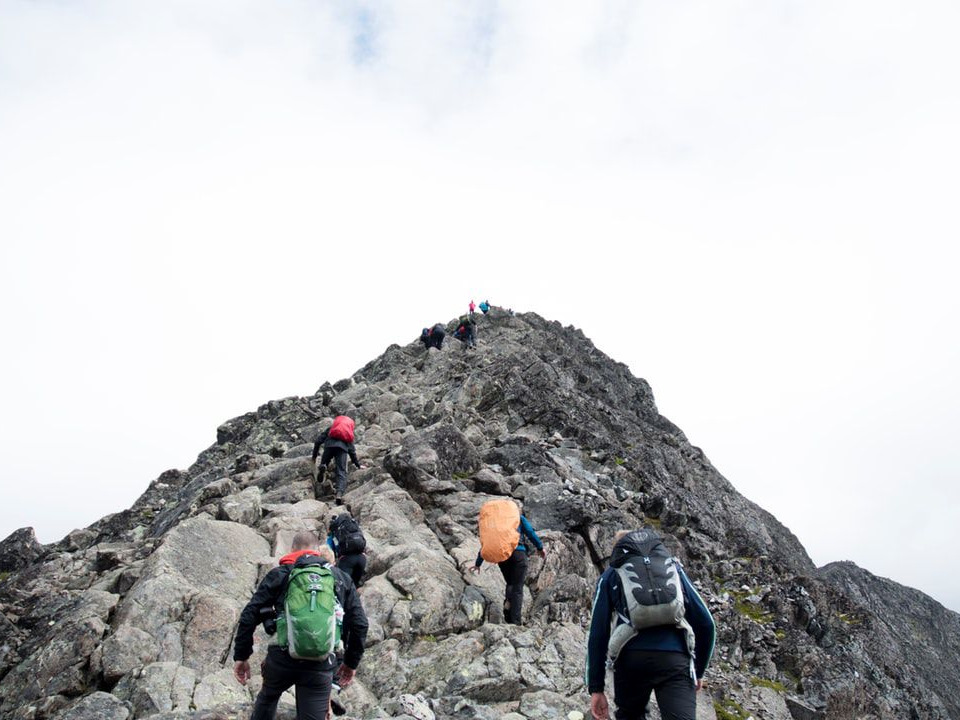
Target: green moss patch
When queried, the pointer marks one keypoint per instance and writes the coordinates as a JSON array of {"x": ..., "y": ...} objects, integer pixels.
[
  {"x": 728, "y": 709},
  {"x": 771, "y": 684}
]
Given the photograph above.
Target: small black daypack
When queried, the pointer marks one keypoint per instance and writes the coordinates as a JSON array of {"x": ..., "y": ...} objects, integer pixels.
[{"x": 349, "y": 536}]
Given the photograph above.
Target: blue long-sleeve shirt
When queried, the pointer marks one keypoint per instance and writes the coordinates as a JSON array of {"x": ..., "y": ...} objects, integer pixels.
[
  {"x": 609, "y": 600},
  {"x": 526, "y": 530}
]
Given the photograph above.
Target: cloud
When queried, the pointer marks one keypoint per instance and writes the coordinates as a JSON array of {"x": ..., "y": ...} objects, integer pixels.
[{"x": 209, "y": 206}]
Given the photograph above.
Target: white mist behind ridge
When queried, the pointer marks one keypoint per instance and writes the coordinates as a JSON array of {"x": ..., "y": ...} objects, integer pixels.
[{"x": 205, "y": 208}]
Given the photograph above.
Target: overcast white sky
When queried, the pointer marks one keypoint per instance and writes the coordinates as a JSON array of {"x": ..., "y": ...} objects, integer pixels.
[{"x": 205, "y": 206}]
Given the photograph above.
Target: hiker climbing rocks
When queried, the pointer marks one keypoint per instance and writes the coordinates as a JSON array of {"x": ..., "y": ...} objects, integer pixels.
[
  {"x": 337, "y": 442},
  {"x": 433, "y": 337},
  {"x": 348, "y": 544},
  {"x": 311, "y": 600},
  {"x": 466, "y": 332},
  {"x": 660, "y": 642},
  {"x": 504, "y": 536},
  {"x": 484, "y": 307}
]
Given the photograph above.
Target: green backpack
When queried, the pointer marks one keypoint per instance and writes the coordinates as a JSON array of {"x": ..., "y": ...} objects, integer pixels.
[{"x": 308, "y": 626}]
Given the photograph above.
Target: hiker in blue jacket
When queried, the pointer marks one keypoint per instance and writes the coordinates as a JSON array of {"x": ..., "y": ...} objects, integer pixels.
[
  {"x": 514, "y": 570},
  {"x": 669, "y": 660}
]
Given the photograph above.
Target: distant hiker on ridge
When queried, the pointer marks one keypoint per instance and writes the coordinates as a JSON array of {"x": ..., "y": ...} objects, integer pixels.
[
  {"x": 337, "y": 442},
  {"x": 307, "y": 595},
  {"x": 484, "y": 307},
  {"x": 472, "y": 307},
  {"x": 433, "y": 337},
  {"x": 504, "y": 535},
  {"x": 346, "y": 540},
  {"x": 466, "y": 332},
  {"x": 661, "y": 641}
]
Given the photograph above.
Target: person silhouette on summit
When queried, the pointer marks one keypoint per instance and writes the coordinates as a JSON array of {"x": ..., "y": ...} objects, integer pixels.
[{"x": 337, "y": 443}]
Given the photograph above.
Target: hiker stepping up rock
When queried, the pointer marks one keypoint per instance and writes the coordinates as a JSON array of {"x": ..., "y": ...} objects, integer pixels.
[
  {"x": 314, "y": 611},
  {"x": 346, "y": 540},
  {"x": 466, "y": 331},
  {"x": 650, "y": 624},
  {"x": 504, "y": 537},
  {"x": 337, "y": 444}
]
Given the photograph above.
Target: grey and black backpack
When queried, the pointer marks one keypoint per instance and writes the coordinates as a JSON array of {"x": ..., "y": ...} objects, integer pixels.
[{"x": 652, "y": 590}]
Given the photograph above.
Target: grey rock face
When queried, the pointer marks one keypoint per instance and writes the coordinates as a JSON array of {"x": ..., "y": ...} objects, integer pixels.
[
  {"x": 19, "y": 549},
  {"x": 134, "y": 616},
  {"x": 97, "y": 706}
]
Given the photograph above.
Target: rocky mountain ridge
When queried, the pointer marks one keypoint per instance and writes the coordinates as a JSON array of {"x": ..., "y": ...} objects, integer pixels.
[{"x": 134, "y": 616}]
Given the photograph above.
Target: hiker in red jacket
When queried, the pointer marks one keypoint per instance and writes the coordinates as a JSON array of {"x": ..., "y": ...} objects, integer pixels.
[{"x": 337, "y": 442}]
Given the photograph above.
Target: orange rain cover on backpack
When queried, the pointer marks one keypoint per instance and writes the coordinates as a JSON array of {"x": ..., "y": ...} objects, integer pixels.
[
  {"x": 499, "y": 529},
  {"x": 342, "y": 428}
]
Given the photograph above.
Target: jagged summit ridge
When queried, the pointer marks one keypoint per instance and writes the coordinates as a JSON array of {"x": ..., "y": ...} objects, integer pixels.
[{"x": 141, "y": 627}]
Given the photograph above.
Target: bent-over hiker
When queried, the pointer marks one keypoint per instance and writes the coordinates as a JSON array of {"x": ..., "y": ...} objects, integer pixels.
[
  {"x": 303, "y": 580},
  {"x": 660, "y": 642},
  {"x": 433, "y": 337}
]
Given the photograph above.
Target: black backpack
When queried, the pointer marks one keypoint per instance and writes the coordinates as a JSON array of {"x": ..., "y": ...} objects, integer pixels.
[
  {"x": 651, "y": 586},
  {"x": 349, "y": 537}
]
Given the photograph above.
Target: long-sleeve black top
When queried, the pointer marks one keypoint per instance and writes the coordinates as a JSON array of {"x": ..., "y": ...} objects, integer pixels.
[{"x": 270, "y": 593}]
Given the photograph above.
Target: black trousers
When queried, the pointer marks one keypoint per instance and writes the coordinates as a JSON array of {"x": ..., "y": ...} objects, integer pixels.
[
  {"x": 353, "y": 565},
  {"x": 514, "y": 570},
  {"x": 280, "y": 671},
  {"x": 339, "y": 456},
  {"x": 637, "y": 673}
]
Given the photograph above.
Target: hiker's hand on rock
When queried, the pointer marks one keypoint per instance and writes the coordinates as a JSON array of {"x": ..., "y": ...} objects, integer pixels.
[
  {"x": 542, "y": 553},
  {"x": 345, "y": 675},
  {"x": 241, "y": 671},
  {"x": 699, "y": 684},
  {"x": 474, "y": 568}
]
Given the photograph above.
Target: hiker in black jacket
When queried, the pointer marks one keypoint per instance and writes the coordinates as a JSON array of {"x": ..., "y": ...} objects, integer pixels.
[
  {"x": 466, "y": 331},
  {"x": 313, "y": 679},
  {"x": 433, "y": 337},
  {"x": 336, "y": 449},
  {"x": 347, "y": 542}
]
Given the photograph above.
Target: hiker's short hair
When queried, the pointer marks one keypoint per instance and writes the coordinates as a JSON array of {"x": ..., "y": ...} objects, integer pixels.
[
  {"x": 326, "y": 553},
  {"x": 620, "y": 535},
  {"x": 304, "y": 540}
]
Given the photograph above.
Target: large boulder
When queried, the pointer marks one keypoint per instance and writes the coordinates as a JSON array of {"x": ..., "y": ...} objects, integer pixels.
[
  {"x": 158, "y": 687},
  {"x": 61, "y": 664},
  {"x": 19, "y": 549},
  {"x": 97, "y": 706},
  {"x": 191, "y": 590}
]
